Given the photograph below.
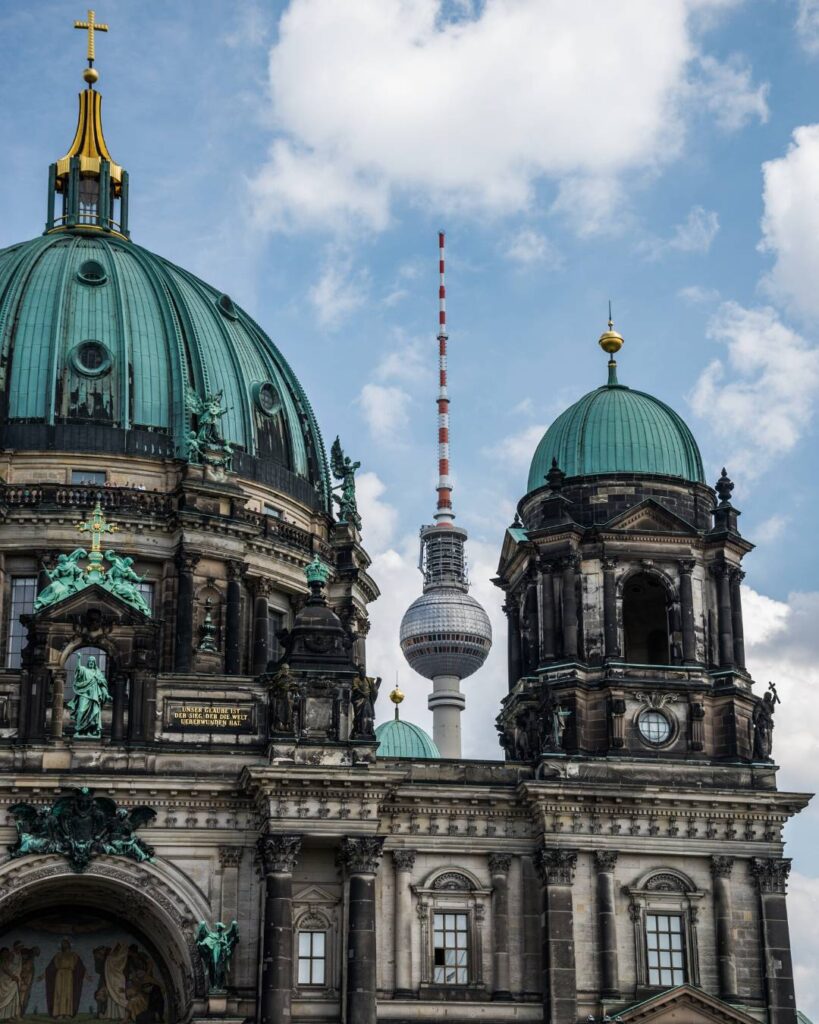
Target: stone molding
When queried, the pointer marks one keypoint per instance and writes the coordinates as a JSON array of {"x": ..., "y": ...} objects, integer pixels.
[
  {"x": 771, "y": 873},
  {"x": 360, "y": 855},
  {"x": 278, "y": 853},
  {"x": 555, "y": 865}
]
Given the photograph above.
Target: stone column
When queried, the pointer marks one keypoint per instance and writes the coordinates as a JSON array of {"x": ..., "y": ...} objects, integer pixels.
[
  {"x": 229, "y": 859},
  {"x": 570, "y": 608},
  {"x": 119, "y": 689},
  {"x": 403, "y": 862},
  {"x": 499, "y": 864},
  {"x": 183, "y": 644},
  {"x": 359, "y": 857},
  {"x": 278, "y": 855},
  {"x": 737, "y": 576},
  {"x": 57, "y": 703},
  {"x": 724, "y": 624},
  {"x": 726, "y": 955},
  {"x": 556, "y": 868},
  {"x": 233, "y": 619},
  {"x": 605, "y": 861},
  {"x": 612, "y": 647},
  {"x": 261, "y": 626},
  {"x": 689, "y": 637},
  {"x": 512, "y": 610},
  {"x": 771, "y": 876},
  {"x": 547, "y": 601}
]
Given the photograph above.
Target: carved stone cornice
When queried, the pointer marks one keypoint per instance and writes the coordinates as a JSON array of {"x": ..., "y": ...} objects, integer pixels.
[
  {"x": 360, "y": 855},
  {"x": 230, "y": 856},
  {"x": 404, "y": 860},
  {"x": 499, "y": 863},
  {"x": 278, "y": 853},
  {"x": 721, "y": 867},
  {"x": 771, "y": 873},
  {"x": 605, "y": 860},
  {"x": 555, "y": 865}
]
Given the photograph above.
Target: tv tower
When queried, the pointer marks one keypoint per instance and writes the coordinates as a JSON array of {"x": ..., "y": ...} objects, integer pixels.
[{"x": 445, "y": 634}]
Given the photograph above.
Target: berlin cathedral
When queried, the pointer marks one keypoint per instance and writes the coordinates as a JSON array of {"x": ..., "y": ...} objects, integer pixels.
[{"x": 202, "y": 822}]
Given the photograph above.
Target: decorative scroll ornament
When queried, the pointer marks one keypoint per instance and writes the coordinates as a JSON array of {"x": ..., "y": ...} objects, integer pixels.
[
  {"x": 79, "y": 827},
  {"x": 344, "y": 469},
  {"x": 206, "y": 445},
  {"x": 118, "y": 578},
  {"x": 656, "y": 700},
  {"x": 216, "y": 947},
  {"x": 452, "y": 881}
]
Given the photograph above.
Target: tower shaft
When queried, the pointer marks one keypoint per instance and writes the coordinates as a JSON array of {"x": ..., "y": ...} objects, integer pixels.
[{"x": 444, "y": 513}]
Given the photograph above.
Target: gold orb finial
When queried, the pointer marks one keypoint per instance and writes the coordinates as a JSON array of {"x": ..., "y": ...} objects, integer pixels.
[
  {"x": 611, "y": 341},
  {"x": 91, "y": 75},
  {"x": 396, "y": 696}
]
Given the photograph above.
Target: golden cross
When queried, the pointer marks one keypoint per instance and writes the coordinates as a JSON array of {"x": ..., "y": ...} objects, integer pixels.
[
  {"x": 96, "y": 526},
  {"x": 92, "y": 27}
]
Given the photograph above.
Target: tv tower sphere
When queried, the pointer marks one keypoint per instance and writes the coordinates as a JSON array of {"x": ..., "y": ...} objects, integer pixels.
[{"x": 445, "y": 634}]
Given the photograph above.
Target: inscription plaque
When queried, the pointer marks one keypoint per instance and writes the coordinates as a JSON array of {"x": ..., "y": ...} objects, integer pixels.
[{"x": 210, "y": 716}]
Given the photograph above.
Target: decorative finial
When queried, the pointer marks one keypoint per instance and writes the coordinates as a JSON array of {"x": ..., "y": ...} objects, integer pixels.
[
  {"x": 611, "y": 341},
  {"x": 91, "y": 25},
  {"x": 97, "y": 526},
  {"x": 555, "y": 476},
  {"x": 317, "y": 573},
  {"x": 396, "y": 696},
  {"x": 724, "y": 486}
]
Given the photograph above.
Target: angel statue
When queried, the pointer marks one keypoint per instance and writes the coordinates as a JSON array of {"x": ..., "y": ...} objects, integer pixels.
[
  {"x": 122, "y": 581},
  {"x": 205, "y": 442},
  {"x": 216, "y": 949},
  {"x": 66, "y": 577},
  {"x": 120, "y": 839},
  {"x": 344, "y": 470}
]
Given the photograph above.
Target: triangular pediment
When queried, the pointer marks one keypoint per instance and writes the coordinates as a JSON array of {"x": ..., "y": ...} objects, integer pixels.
[
  {"x": 649, "y": 517},
  {"x": 92, "y": 596},
  {"x": 684, "y": 1005}
]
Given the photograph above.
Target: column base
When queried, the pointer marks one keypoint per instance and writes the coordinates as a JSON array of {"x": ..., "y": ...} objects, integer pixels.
[
  {"x": 502, "y": 996},
  {"x": 404, "y": 993}
]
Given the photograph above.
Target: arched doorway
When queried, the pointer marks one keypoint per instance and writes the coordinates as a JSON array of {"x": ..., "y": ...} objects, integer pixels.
[
  {"x": 76, "y": 963},
  {"x": 645, "y": 620}
]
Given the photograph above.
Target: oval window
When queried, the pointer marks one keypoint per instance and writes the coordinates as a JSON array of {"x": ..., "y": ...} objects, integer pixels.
[
  {"x": 654, "y": 727},
  {"x": 92, "y": 272},
  {"x": 267, "y": 398},
  {"x": 225, "y": 304},
  {"x": 91, "y": 358}
]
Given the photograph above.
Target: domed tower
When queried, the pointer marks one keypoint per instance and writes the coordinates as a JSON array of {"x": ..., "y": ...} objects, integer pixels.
[
  {"x": 622, "y": 578},
  {"x": 445, "y": 634}
]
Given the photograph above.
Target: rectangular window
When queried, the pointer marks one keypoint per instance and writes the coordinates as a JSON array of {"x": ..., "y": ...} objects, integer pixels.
[
  {"x": 23, "y": 593},
  {"x": 88, "y": 477},
  {"x": 450, "y": 949},
  {"x": 147, "y": 591},
  {"x": 664, "y": 944},
  {"x": 271, "y": 510},
  {"x": 275, "y": 624},
  {"x": 312, "y": 946}
]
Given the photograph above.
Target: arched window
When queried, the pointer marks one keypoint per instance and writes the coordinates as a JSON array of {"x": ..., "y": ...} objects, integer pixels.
[{"x": 645, "y": 620}]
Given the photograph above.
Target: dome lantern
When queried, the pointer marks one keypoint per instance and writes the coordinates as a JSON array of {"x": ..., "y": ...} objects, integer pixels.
[{"x": 93, "y": 189}]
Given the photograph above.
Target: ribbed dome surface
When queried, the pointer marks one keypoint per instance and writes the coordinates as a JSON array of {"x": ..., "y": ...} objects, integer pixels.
[
  {"x": 403, "y": 739},
  {"x": 155, "y": 328},
  {"x": 616, "y": 430}
]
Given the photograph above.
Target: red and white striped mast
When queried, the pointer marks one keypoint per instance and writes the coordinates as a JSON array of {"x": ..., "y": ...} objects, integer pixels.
[{"x": 444, "y": 513}]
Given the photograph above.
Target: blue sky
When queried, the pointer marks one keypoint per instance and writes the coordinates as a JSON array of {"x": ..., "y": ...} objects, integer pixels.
[{"x": 302, "y": 156}]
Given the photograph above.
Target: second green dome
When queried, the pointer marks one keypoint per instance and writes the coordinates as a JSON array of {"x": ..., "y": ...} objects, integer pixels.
[{"x": 616, "y": 430}]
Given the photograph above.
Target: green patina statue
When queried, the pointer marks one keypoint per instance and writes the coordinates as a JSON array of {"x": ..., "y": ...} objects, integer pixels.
[
  {"x": 344, "y": 469},
  {"x": 206, "y": 444},
  {"x": 67, "y": 577},
  {"x": 90, "y": 694},
  {"x": 80, "y": 826},
  {"x": 216, "y": 947},
  {"x": 317, "y": 572},
  {"x": 121, "y": 580}
]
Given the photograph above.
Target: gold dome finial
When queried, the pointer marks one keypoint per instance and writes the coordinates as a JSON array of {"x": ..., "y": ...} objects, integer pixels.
[
  {"x": 91, "y": 25},
  {"x": 611, "y": 341},
  {"x": 396, "y": 696}
]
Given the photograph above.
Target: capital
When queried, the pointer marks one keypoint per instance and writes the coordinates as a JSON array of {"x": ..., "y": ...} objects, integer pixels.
[
  {"x": 686, "y": 566},
  {"x": 721, "y": 867},
  {"x": 771, "y": 873},
  {"x": 278, "y": 853},
  {"x": 555, "y": 866},
  {"x": 605, "y": 860},
  {"x": 499, "y": 863},
  {"x": 230, "y": 856},
  {"x": 236, "y": 569},
  {"x": 360, "y": 855},
  {"x": 609, "y": 564},
  {"x": 404, "y": 860},
  {"x": 186, "y": 561}
]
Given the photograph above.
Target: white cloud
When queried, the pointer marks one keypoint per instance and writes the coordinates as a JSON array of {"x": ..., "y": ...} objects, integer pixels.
[
  {"x": 726, "y": 90},
  {"x": 385, "y": 409},
  {"x": 516, "y": 450},
  {"x": 410, "y": 361},
  {"x": 759, "y": 398},
  {"x": 790, "y": 223},
  {"x": 807, "y": 26},
  {"x": 697, "y": 231},
  {"x": 697, "y": 294},
  {"x": 771, "y": 529},
  {"x": 592, "y": 205},
  {"x": 341, "y": 289},
  {"x": 386, "y": 97},
  {"x": 378, "y": 517},
  {"x": 528, "y": 247}
]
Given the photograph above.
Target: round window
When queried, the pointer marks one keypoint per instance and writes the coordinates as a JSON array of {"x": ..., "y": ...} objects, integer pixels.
[
  {"x": 225, "y": 304},
  {"x": 92, "y": 272},
  {"x": 91, "y": 358},
  {"x": 654, "y": 727},
  {"x": 267, "y": 398}
]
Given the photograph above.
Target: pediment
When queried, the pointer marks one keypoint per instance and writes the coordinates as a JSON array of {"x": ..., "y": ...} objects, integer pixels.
[
  {"x": 685, "y": 1005},
  {"x": 314, "y": 894},
  {"x": 650, "y": 517},
  {"x": 512, "y": 540},
  {"x": 78, "y": 603}
]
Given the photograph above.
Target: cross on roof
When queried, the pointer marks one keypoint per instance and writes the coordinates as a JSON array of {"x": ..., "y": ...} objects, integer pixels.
[{"x": 92, "y": 26}]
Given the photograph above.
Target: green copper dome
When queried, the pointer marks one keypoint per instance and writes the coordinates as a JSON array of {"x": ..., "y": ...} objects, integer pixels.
[
  {"x": 397, "y": 738},
  {"x": 99, "y": 340},
  {"x": 616, "y": 430}
]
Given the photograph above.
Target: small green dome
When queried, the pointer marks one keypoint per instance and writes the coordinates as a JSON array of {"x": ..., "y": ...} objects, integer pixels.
[
  {"x": 99, "y": 340},
  {"x": 616, "y": 430},
  {"x": 403, "y": 739}
]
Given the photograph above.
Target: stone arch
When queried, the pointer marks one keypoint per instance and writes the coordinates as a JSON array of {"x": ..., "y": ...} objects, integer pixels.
[
  {"x": 665, "y": 880},
  {"x": 151, "y": 898},
  {"x": 647, "y": 599},
  {"x": 452, "y": 879}
]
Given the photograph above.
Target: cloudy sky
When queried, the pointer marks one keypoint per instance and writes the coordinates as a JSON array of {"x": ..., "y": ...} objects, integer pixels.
[{"x": 301, "y": 156}]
